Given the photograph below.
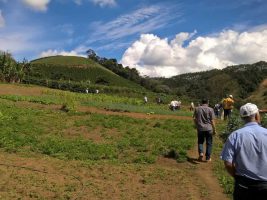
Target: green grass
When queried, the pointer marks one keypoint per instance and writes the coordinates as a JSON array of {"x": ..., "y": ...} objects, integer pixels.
[
  {"x": 109, "y": 102},
  {"x": 135, "y": 140}
]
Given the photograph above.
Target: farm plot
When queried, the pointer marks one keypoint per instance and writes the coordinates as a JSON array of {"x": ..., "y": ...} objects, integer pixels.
[{"x": 46, "y": 153}]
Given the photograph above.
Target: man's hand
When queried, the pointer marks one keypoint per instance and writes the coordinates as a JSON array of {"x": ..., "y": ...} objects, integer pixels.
[{"x": 214, "y": 132}]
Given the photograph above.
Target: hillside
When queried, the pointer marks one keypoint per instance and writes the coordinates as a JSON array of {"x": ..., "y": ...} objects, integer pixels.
[
  {"x": 76, "y": 70},
  {"x": 240, "y": 81},
  {"x": 259, "y": 96}
]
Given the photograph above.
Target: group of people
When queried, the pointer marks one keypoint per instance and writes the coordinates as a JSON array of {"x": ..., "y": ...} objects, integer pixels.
[
  {"x": 224, "y": 109},
  {"x": 244, "y": 153}
]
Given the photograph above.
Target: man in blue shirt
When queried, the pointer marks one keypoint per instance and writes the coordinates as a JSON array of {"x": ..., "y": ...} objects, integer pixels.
[{"x": 245, "y": 156}]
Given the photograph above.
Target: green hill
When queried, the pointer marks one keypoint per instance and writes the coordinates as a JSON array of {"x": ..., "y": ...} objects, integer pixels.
[
  {"x": 73, "y": 69},
  {"x": 240, "y": 81},
  {"x": 259, "y": 96}
]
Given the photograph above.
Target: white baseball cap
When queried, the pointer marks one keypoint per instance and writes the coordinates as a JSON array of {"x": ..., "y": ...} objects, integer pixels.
[
  {"x": 248, "y": 110},
  {"x": 231, "y": 96}
]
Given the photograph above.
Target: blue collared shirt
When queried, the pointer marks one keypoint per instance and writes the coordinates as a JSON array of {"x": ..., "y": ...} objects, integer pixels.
[{"x": 247, "y": 149}]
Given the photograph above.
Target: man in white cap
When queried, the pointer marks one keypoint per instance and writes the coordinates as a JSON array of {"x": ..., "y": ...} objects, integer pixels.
[{"x": 245, "y": 156}]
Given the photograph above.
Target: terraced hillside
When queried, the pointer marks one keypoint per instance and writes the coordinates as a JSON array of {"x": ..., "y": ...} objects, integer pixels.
[{"x": 76, "y": 69}]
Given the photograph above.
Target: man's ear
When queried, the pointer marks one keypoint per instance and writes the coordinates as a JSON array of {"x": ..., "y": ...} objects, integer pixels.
[{"x": 258, "y": 117}]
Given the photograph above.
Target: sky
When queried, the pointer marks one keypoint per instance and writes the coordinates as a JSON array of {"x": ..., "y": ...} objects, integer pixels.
[{"x": 158, "y": 38}]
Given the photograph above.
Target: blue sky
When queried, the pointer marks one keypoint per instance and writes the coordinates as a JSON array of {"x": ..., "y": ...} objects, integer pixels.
[{"x": 159, "y": 38}]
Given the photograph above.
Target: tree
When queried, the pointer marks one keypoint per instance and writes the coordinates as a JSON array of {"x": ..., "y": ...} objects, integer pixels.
[
  {"x": 10, "y": 70},
  {"x": 92, "y": 55}
]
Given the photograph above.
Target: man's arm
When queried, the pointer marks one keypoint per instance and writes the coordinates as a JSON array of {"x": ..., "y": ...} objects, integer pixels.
[
  {"x": 213, "y": 127},
  {"x": 230, "y": 168}
]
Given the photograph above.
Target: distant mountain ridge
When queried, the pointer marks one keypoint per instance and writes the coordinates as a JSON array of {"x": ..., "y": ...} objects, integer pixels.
[{"x": 239, "y": 80}]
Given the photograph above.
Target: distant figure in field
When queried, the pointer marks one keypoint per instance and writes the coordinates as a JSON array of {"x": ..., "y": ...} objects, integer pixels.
[
  {"x": 175, "y": 105},
  {"x": 96, "y": 91},
  {"x": 192, "y": 106},
  {"x": 245, "y": 156},
  {"x": 217, "y": 109},
  {"x": 158, "y": 100},
  {"x": 228, "y": 105},
  {"x": 86, "y": 91},
  {"x": 145, "y": 99},
  {"x": 204, "y": 119}
]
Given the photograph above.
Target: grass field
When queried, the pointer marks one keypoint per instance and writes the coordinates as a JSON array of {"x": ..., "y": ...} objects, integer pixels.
[{"x": 105, "y": 147}]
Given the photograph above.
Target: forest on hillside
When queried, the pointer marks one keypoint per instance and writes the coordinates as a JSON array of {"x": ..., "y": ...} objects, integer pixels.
[{"x": 239, "y": 80}]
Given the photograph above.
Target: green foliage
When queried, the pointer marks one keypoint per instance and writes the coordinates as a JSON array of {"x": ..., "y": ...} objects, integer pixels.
[
  {"x": 10, "y": 70},
  {"x": 235, "y": 122},
  {"x": 69, "y": 104},
  {"x": 264, "y": 120}
]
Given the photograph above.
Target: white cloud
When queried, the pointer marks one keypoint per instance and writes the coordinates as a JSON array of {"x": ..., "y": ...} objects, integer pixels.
[
  {"x": 51, "y": 52},
  {"x": 103, "y": 3},
  {"x": 142, "y": 20},
  {"x": 39, "y": 5},
  {"x": 2, "y": 20},
  {"x": 154, "y": 56}
]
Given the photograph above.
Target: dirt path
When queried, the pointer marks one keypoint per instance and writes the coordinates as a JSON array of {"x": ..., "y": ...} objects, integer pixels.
[{"x": 204, "y": 174}]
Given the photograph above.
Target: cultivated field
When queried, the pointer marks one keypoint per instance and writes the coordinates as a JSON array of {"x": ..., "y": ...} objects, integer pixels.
[{"x": 62, "y": 145}]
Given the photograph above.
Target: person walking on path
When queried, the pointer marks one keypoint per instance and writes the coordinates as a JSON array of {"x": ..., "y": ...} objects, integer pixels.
[
  {"x": 245, "y": 156},
  {"x": 228, "y": 105},
  {"x": 204, "y": 119}
]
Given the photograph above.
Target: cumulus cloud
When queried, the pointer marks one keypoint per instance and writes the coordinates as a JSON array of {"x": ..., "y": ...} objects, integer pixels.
[
  {"x": 39, "y": 5},
  {"x": 2, "y": 20},
  {"x": 155, "y": 56},
  {"x": 51, "y": 52}
]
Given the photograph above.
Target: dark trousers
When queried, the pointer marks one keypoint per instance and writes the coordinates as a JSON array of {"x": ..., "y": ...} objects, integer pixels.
[
  {"x": 248, "y": 189},
  {"x": 227, "y": 113},
  {"x": 202, "y": 136}
]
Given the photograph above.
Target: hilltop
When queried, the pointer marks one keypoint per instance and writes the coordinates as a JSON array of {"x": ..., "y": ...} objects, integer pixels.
[{"x": 62, "y": 71}]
